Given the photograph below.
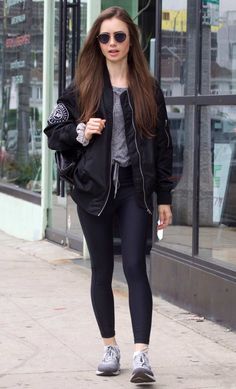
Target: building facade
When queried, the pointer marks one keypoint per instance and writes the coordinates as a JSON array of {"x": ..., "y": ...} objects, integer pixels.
[{"x": 191, "y": 48}]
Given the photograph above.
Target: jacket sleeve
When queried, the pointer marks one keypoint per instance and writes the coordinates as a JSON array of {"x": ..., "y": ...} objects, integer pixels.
[
  {"x": 62, "y": 122},
  {"x": 164, "y": 153}
]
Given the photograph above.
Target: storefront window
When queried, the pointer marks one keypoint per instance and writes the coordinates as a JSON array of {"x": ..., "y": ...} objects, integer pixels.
[
  {"x": 178, "y": 49},
  {"x": 178, "y": 236},
  {"x": 217, "y": 219},
  {"x": 219, "y": 48},
  {"x": 21, "y": 63}
]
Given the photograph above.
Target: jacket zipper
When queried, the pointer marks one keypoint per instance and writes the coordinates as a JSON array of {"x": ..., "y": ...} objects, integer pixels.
[
  {"x": 109, "y": 189},
  {"x": 107, "y": 194},
  {"x": 168, "y": 138},
  {"x": 139, "y": 156}
]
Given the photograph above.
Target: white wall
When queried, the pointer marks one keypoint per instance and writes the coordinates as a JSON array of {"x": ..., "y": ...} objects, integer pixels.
[{"x": 20, "y": 218}]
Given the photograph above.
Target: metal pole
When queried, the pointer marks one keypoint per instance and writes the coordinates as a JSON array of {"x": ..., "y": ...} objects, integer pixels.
[
  {"x": 197, "y": 118},
  {"x": 48, "y": 87},
  {"x": 62, "y": 79},
  {"x": 157, "y": 69}
]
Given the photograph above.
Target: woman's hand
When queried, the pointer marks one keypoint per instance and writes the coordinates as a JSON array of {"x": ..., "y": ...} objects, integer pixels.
[
  {"x": 165, "y": 216},
  {"x": 94, "y": 126}
]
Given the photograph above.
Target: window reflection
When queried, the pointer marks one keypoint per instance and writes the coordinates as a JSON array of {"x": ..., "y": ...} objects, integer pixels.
[
  {"x": 217, "y": 207},
  {"x": 178, "y": 47},
  {"x": 221, "y": 45},
  {"x": 217, "y": 216},
  {"x": 178, "y": 236},
  {"x": 218, "y": 46},
  {"x": 177, "y": 122},
  {"x": 21, "y": 88}
]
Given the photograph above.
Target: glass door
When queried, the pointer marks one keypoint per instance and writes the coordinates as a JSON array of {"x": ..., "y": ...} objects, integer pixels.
[{"x": 70, "y": 30}]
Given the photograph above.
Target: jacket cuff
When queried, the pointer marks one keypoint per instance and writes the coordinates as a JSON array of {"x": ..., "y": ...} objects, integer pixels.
[
  {"x": 80, "y": 129},
  {"x": 164, "y": 198}
]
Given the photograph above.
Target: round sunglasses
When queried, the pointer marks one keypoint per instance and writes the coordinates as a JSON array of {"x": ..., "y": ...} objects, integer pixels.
[{"x": 119, "y": 37}]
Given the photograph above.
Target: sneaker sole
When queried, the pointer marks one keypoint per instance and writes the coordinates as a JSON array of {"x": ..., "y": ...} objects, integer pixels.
[
  {"x": 141, "y": 378},
  {"x": 107, "y": 373}
]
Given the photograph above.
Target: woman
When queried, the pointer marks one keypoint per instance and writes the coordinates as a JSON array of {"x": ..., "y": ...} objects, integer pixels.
[{"x": 114, "y": 115}]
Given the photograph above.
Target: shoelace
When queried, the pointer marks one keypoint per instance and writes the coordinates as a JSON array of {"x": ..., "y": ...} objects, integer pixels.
[
  {"x": 141, "y": 360},
  {"x": 110, "y": 354}
]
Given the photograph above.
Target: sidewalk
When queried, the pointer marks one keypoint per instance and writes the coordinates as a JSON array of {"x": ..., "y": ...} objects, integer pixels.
[{"x": 49, "y": 337}]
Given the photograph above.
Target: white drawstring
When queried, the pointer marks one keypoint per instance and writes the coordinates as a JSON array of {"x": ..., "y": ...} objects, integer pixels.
[{"x": 116, "y": 177}]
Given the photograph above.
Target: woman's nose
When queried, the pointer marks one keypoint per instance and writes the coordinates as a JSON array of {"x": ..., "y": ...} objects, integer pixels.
[{"x": 112, "y": 40}]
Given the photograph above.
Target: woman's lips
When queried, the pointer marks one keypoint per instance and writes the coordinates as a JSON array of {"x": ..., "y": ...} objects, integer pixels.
[{"x": 113, "y": 51}]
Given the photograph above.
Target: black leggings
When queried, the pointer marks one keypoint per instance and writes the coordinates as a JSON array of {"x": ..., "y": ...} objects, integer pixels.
[{"x": 98, "y": 232}]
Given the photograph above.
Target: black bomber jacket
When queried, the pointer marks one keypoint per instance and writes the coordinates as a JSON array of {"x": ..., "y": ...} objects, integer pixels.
[{"x": 151, "y": 159}]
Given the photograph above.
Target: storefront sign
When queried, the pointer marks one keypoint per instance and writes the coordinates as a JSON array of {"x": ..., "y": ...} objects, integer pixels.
[
  {"x": 222, "y": 162},
  {"x": 17, "y": 64},
  {"x": 18, "y": 19},
  {"x": 18, "y": 41}
]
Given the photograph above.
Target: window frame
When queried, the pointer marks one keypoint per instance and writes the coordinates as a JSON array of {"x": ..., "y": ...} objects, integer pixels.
[{"x": 197, "y": 100}]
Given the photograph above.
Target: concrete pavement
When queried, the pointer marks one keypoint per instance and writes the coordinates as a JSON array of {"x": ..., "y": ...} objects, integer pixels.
[{"x": 49, "y": 337}]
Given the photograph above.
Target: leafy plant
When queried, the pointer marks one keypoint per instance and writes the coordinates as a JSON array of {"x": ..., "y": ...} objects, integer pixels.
[{"x": 22, "y": 174}]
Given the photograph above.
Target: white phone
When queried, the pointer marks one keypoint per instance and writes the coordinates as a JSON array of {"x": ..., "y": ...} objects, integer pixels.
[{"x": 160, "y": 233}]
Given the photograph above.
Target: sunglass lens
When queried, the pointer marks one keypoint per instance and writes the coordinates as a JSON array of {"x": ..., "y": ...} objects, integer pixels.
[
  {"x": 104, "y": 38},
  {"x": 120, "y": 37}
]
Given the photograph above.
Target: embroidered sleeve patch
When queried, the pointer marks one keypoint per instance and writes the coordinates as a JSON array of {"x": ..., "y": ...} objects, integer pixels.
[{"x": 59, "y": 114}]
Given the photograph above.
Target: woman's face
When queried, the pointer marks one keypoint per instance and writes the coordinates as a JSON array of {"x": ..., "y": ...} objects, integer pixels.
[{"x": 114, "y": 51}]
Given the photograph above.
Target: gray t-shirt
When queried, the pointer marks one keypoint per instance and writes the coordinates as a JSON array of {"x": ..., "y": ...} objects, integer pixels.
[{"x": 119, "y": 150}]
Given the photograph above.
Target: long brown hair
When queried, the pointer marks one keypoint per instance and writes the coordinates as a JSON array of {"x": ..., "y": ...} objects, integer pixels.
[{"x": 90, "y": 67}]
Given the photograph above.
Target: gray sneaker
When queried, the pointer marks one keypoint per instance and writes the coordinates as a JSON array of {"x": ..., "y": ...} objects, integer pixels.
[
  {"x": 110, "y": 364},
  {"x": 142, "y": 371}
]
